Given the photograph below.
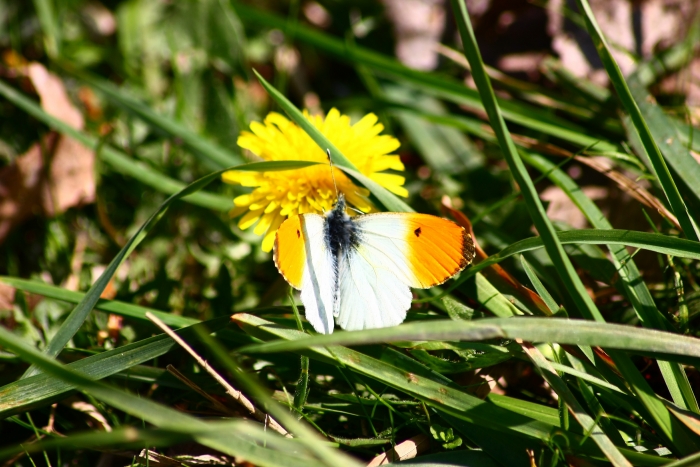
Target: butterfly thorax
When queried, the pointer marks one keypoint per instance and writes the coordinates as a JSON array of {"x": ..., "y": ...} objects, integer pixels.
[{"x": 340, "y": 231}]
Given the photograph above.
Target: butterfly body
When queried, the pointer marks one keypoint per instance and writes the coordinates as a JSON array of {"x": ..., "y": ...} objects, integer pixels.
[
  {"x": 339, "y": 230},
  {"x": 358, "y": 271}
]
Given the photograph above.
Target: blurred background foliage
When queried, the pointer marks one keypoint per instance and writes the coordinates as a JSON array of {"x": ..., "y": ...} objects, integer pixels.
[{"x": 162, "y": 89}]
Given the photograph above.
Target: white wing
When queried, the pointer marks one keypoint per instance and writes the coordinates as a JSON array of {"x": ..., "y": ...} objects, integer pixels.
[
  {"x": 396, "y": 251},
  {"x": 319, "y": 277},
  {"x": 371, "y": 295}
]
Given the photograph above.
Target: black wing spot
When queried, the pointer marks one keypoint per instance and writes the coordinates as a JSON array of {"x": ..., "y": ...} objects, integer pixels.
[
  {"x": 298, "y": 234},
  {"x": 417, "y": 232}
]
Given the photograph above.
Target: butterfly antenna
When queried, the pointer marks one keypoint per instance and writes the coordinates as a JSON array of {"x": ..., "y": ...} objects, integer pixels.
[{"x": 330, "y": 161}]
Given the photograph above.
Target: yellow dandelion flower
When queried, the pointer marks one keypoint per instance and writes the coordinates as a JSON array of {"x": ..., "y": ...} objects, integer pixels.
[{"x": 278, "y": 195}]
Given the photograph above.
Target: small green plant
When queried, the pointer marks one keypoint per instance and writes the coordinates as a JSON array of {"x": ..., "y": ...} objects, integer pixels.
[{"x": 445, "y": 436}]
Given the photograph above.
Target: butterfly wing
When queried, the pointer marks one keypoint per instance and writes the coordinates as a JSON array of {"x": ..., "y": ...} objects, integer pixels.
[
  {"x": 304, "y": 259},
  {"x": 370, "y": 294},
  {"x": 424, "y": 250},
  {"x": 396, "y": 251}
]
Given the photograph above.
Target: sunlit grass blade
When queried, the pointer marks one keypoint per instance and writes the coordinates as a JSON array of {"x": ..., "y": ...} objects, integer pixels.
[
  {"x": 233, "y": 438},
  {"x": 645, "y": 240},
  {"x": 681, "y": 391},
  {"x": 76, "y": 318},
  {"x": 491, "y": 298},
  {"x": 539, "y": 287},
  {"x": 652, "y": 149},
  {"x": 42, "y": 389},
  {"x": 532, "y": 329},
  {"x": 530, "y": 409},
  {"x": 689, "y": 461},
  {"x": 583, "y": 376},
  {"x": 648, "y": 241}
]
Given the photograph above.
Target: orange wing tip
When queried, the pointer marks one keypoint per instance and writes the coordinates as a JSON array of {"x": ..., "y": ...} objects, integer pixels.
[
  {"x": 468, "y": 250},
  {"x": 466, "y": 259},
  {"x": 439, "y": 249}
]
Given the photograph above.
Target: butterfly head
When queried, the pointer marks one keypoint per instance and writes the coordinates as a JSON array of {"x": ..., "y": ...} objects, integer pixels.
[
  {"x": 338, "y": 211},
  {"x": 340, "y": 204}
]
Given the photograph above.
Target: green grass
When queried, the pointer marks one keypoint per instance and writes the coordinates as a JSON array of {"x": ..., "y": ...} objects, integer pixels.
[{"x": 565, "y": 346}]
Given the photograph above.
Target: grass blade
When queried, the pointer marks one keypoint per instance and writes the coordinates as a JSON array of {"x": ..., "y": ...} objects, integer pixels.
[
  {"x": 630, "y": 279},
  {"x": 539, "y": 287},
  {"x": 668, "y": 138},
  {"x": 531, "y": 329},
  {"x": 304, "y": 434},
  {"x": 120, "y": 438},
  {"x": 444, "y": 397},
  {"x": 416, "y": 384},
  {"x": 236, "y": 439},
  {"x": 42, "y": 389},
  {"x": 561, "y": 261},
  {"x": 126, "y": 165},
  {"x": 589, "y": 425},
  {"x": 554, "y": 248},
  {"x": 76, "y": 318},
  {"x": 47, "y": 18},
  {"x": 653, "y": 152}
]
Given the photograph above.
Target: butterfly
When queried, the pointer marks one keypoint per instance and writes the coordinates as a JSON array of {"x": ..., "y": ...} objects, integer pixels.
[{"x": 358, "y": 271}]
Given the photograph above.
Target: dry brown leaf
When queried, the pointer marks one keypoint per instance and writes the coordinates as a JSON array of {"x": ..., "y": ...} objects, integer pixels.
[
  {"x": 630, "y": 187},
  {"x": 7, "y": 296},
  {"x": 114, "y": 325},
  {"x": 562, "y": 209},
  {"x": 71, "y": 177},
  {"x": 28, "y": 187},
  {"x": 54, "y": 99},
  {"x": 20, "y": 188},
  {"x": 418, "y": 25},
  {"x": 92, "y": 412},
  {"x": 405, "y": 450}
]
